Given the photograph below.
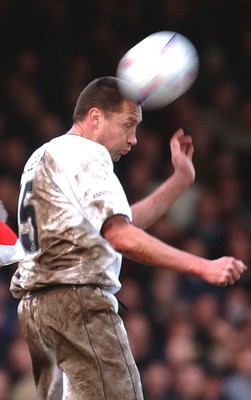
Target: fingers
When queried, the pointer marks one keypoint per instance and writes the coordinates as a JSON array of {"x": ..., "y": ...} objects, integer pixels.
[
  {"x": 175, "y": 141},
  {"x": 238, "y": 268},
  {"x": 178, "y": 134},
  {"x": 182, "y": 142},
  {"x": 233, "y": 272},
  {"x": 187, "y": 146},
  {"x": 181, "y": 137}
]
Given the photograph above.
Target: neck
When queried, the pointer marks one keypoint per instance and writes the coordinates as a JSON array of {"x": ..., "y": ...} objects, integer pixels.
[{"x": 79, "y": 129}]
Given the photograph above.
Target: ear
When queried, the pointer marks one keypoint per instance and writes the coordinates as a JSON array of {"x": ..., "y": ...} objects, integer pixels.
[{"x": 94, "y": 116}]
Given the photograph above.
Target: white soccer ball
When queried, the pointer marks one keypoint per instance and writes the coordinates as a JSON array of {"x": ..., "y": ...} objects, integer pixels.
[{"x": 158, "y": 69}]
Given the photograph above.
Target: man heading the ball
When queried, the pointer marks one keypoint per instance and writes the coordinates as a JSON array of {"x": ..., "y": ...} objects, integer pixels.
[{"x": 75, "y": 225}]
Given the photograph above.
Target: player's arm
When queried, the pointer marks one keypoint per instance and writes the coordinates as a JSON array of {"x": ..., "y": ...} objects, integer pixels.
[
  {"x": 151, "y": 208},
  {"x": 143, "y": 248}
]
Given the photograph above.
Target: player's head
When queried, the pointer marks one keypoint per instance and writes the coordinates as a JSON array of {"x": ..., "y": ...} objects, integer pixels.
[
  {"x": 102, "y": 93},
  {"x": 103, "y": 115}
]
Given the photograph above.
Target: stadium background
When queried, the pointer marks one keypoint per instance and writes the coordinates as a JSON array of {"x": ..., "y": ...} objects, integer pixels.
[{"x": 191, "y": 341}]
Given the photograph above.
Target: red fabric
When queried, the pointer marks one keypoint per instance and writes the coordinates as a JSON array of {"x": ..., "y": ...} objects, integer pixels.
[{"x": 7, "y": 236}]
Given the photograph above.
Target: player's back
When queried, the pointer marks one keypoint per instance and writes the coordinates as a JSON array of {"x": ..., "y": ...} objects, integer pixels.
[{"x": 68, "y": 189}]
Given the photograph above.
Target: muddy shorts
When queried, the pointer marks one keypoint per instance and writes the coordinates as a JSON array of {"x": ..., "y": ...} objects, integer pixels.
[{"x": 78, "y": 345}]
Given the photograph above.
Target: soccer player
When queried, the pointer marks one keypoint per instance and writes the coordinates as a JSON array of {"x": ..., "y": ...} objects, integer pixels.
[{"x": 75, "y": 224}]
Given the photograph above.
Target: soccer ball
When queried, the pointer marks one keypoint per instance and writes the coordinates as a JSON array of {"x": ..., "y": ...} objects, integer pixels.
[{"x": 158, "y": 69}]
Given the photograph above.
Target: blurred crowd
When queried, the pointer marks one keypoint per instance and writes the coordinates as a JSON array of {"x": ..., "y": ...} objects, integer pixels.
[{"x": 191, "y": 340}]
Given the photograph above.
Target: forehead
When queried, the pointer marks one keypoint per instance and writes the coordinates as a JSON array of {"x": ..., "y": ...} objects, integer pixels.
[{"x": 131, "y": 111}]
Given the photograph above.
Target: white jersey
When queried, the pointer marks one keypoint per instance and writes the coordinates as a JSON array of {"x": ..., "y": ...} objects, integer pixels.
[{"x": 68, "y": 190}]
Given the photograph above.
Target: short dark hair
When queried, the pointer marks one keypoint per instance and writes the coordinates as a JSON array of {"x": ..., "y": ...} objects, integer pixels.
[{"x": 102, "y": 93}]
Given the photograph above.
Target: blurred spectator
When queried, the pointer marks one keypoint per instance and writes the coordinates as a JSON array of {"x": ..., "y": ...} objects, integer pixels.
[
  {"x": 182, "y": 212},
  {"x": 237, "y": 243},
  {"x": 163, "y": 292},
  {"x": 157, "y": 381},
  {"x": 47, "y": 126},
  {"x": 14, "y": 152},
  {"x": 205, "y": 312},
  {"x": 180, "y": 345},
  {"x": 205, "y": 224},
  {"x": 131, "y": 294},
  {"x": 236, "y": 308},
  {"x": 213, "y": 385},
  {"x": 237, "y": 385},
  {"x": 8, "y": 321},
  {"x": 219, "y": 353},
  {"x": 4, "y": 384},
  {"x": 23, "y": 386},
  {"x": 139, "y": 332},
  {"x": 190, "y": 381}
]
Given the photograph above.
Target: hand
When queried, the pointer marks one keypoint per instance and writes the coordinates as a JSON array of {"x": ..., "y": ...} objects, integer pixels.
[
  {"x": 181, "y": 153},
  {"x": 224, "y": 271}
]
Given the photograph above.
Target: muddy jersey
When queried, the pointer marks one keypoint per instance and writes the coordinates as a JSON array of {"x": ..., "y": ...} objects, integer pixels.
[{"x": 68, "y": 189}]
